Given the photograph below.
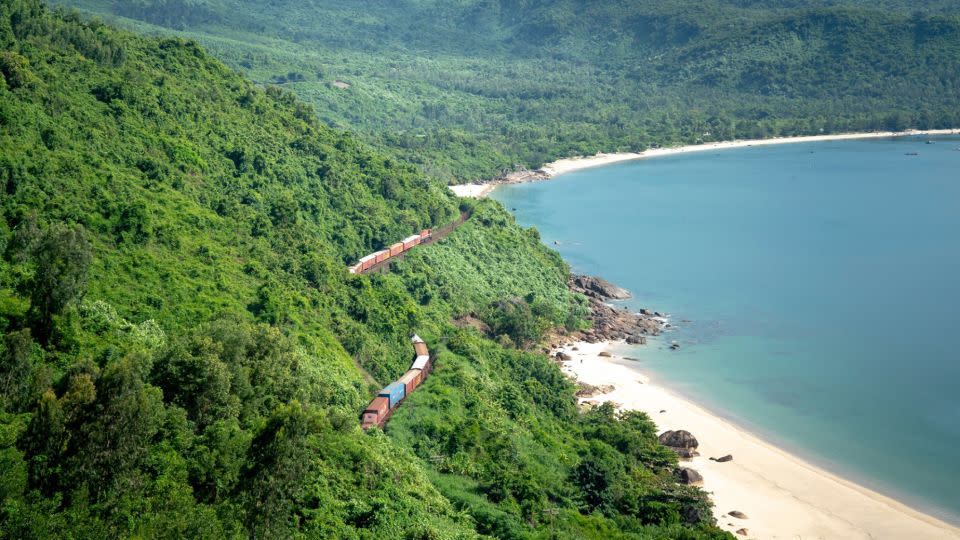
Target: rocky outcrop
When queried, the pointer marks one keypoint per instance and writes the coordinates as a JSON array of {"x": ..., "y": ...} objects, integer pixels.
[
  {"x": 737, "y": 514},
  {"x": 598, "y": 288},
  {"x": 743, "y": 532},
  {"x": 589, "y": 390},
  {"x": 689, "y": 477},
  {"x": 563, "y": 357},
  {"x": 609, "y": 323},
  {"x": 519, "y": 175}
]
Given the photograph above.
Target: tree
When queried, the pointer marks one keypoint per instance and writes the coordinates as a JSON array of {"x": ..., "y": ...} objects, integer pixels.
[
  {"x": 17, "y": 371},
  {"x": 62, "y": 257}
]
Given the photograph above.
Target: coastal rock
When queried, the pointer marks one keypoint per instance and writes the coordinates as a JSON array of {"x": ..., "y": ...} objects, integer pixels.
[
  {"x": 722, "y": 459},
  {"x": 679, "y": 439},
  {"x": 604, "y": 354},
  {"x": 596, "y": 286},
  {"x": 690, "y": 477},
  {"x": 636, "y": 340},
  {"x": 743, "y": 532},
  {"x": 737, "y": 514},
  {"x": 589, "y": 390},
  {"x": 563, "y": 357},
  {"x": 674, "y": 346}
]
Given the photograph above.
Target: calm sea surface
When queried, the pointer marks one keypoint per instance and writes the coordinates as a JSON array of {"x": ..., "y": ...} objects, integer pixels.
[{"x": 821, "y": 282}]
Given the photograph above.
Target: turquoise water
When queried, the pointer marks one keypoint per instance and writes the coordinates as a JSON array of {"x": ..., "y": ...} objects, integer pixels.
[{"x": 821, "y": 282}]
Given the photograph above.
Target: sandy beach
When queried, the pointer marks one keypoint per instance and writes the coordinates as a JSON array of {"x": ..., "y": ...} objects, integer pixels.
[
  {"x": 781, "y": 495},
  {"x": 474, "y": 191},
  {"x": 568, "y": 165}
]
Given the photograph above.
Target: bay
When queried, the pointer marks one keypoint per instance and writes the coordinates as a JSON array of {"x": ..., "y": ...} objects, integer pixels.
[{"x": 814, "y": 290}]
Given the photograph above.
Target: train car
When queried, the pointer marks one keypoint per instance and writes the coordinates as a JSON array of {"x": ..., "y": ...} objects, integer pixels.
[
  {"x": 421, "y": 362},
  {"x": 367, "y": 262},
  {"x": 382, "y": 255},
  {"x": 419, "y": 347},
  {"x": 411, "y": 241},
  {"x": 396, "y": 249},
  {"x": 375, "y": 412},
  {"x": 395, "y": 392},
  {"x": 411, "y": 380},
  {"x": 355, "y": 269},
  {"x": 424, "y": 234}
]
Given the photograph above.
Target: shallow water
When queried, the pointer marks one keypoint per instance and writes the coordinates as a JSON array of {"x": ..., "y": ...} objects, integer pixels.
[{"x": 822, "y": 282}]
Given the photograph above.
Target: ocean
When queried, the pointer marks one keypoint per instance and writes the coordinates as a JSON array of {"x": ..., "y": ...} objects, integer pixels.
[{"x": 813, "y": 288}]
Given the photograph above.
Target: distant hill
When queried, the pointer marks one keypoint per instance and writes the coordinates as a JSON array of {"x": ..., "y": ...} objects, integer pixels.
[{"x": 465, "y": 89}]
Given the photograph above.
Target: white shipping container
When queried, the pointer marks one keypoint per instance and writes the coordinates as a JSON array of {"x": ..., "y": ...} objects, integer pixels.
[{"x": 420, "y": 362}]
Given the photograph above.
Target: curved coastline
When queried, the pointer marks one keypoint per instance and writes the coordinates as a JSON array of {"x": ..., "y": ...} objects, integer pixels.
[
  {"x": 568, "y": 165},
  {"x": 783, "y": 495}
]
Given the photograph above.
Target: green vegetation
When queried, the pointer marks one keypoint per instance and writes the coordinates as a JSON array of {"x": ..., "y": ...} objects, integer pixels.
[
  {"x": 183, "y": 353},
  {"x": 467, "y": 89}
]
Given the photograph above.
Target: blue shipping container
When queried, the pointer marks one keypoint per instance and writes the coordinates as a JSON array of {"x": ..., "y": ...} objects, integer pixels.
[{"x": 394, "y": 392}]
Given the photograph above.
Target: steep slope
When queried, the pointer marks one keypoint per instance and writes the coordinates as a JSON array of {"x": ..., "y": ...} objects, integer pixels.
[{"x": 184, "y": 354}]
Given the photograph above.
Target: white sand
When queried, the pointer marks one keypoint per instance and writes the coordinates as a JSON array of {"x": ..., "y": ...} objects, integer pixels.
[
  {"x": 574, "y": 164},
  {"x": 577, "y": 163},
  {"x": 782, "y": 496},
  {"x": 475, "y": 191}
]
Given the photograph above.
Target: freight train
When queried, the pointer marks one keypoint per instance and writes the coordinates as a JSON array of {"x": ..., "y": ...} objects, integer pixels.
[
  {"x": 381, "y": 408},
  {"x": 378, "y": 257}
]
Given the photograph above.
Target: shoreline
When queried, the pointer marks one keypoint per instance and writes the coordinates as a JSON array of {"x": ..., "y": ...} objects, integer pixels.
[
  {"x": 782, "y": 495},
  {"x": 568, "y": 165}
]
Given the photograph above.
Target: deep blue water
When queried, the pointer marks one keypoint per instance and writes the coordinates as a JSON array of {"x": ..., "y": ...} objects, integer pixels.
[{"x": 822, "y": 286}]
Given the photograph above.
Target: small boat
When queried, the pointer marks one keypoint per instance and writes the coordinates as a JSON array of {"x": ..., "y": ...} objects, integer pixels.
[
  {"x": 911, "y": 154},
  {"x": 930, "y": 142}
]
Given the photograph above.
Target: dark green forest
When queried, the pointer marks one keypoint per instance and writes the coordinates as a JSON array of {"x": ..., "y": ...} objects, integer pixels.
[
  {"x": 465, "y": 90},
  {"x": 183, "y": 353}
]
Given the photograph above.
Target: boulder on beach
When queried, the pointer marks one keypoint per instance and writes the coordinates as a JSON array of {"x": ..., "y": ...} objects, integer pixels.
[
  {"x": 682, "y": 442},
  {"x": 605, "y": 354},
  {"x": 737, "y": 514},
  {"x": 722, "y": 459},
  {"x": 690, "y": 477},
  {"x": 588, "y": 390},
  {"x": 636, "y": 340},
  {"x": 679, "y": 439},
  {"x": 563, "y": 356},
  {"x": 743, "y": 532}
]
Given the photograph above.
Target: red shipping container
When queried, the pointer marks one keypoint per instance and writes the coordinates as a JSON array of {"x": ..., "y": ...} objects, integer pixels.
[
  {"x": 425, "y": 233},
  {"x": 375, "y": 411},
  {"x": 396, "y": 249},
  {"x": 421, "y": 348},
  {"x": 383, "y": 255}
]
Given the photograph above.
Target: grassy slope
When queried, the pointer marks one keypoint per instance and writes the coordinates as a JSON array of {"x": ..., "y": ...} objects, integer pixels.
[
  {"x": 466, "y": 89},
  {"x": 206, "y": 380}
]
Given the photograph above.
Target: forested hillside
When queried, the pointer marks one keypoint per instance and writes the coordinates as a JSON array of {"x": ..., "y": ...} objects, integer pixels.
[
  {"x": 184, "y": 354},
  {"x": 466, "y": 89}
]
